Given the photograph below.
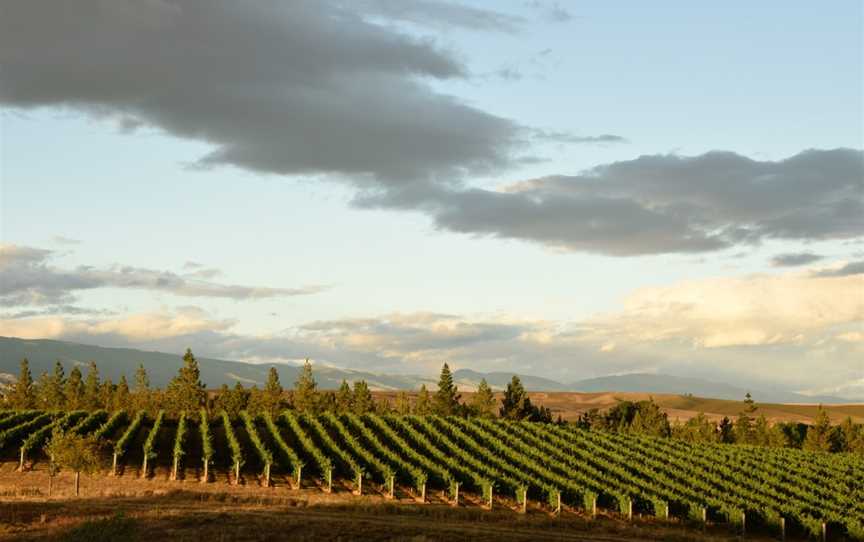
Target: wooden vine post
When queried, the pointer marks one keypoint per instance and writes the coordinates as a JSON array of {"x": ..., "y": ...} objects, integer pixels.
[
  {"x": 523, "y": 509},
  {"x": 391, "y": 487},
  {"x": 267, "y": 475},
  {"x": 144, "y": 466},
  {"x": 455, "y": 494},
  {"x": 114, "y": 465},
  {"x": 594, "y": 507},
  {"x": 629, "y": 509},
  {"x": 329, "y": 480},
  {"x": 236, "y": 473},
  {"x": 489, "y": 505},
  {"x": 359, "y": 484},
  {"x": 558, "y": 504},
  {"x": 298, "y": 478},
  {"x": 206, "y": 477},
  {"x": 782, "y": 528}
]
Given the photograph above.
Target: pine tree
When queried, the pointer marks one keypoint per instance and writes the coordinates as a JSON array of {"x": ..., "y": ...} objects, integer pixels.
[
  {"x": 53, "y": 396},
  {"x": 23, "y": 394},
  {"x": 761, "y": 431},
  {"x": 726, "y": 431},
  {"x": 423, "y": 407},
  {"x": 74, "y": 390},
  {"x": 272, "y": 395},
  {"x": 483, "y": 402},
  {"x": 446, "y": 400},
  {"x": 105, "y": 395},
  {"x": 344, "y": 398},
  {"x": 515, "y": 405},
  {"x": 744, "y": 423},
  {"x": 362, "y": 402},
  {"x": 185, "y": 391},
  {"x": 402, "y": 405},
  {"x": 305, "y": 390},
  {"x": 820, "y": 435},
  {"x": 92, "y": 388},
  {"x": 851, "y": 437},
  {"x": 122, "y": 399},
  {"x": 141, "y": 393}
]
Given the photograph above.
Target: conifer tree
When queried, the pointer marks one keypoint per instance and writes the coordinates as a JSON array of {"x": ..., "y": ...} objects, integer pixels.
[
  {"x": 272, "y": 395},
  {"x": 306, "y": 390},
  {"x": 141, "y": 392},
  {"x": 726, "y": 431},
  {"x": 53, "y": 396},
  {"x": 744, "y": 423},
  {"x": 483, "y": 402},
  {"x": 423, "y": 407},
  {"x": 23, "y": 395},
  {"x": 851, "y": 437},
  {"x": 820, "y": 436},
  {"x": 185, "y": 391},
  {"x": 122, "y": 400},
  {"x": 74, "y": 390},
  {"x": 402, "y": 405},
  {"x": 446, "y": 400},
  {"x": 515, "y": 405},
  {"x": 362, "y": 401},
  {"x": 344, "y": 398},
  {"x": 92, "y": 388},
  {"x": 105, "y": 397}
]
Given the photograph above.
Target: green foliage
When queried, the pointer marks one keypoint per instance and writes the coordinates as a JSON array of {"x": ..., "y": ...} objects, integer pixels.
[
  {"x": 149, "y": 449},
  {"x": 362, "y": 401},
  {"x": 92, "y": 389},
  {"x": 206, "y": 438},
  {"x": 23, "y": 394},
  {"x": 402, "y": 405},
  {"x": 232, "y": 401},
  {"x": 74, "y": 390},
  {"x": 423, "y": 406},
  {"x": 122, "y": 399},
  {"x": 820, "y": 435},
  {"x": 125, "y": 439},
  {"x": 446, "y": 400},
  {"x": 344, "y": 398},
  {"x": 263, "y": 452},
  {"x": 483, "y": 401},
  {"x": 111, "y": 425},
  {"x": 50, "y": 388},
  {"x": 288, "y": 455},
  {"x": 186, "y": 391},
  {"x": 305, "y": 390},
  {"x": 70, "y": 450},
  {"x": 180, "y": 439},
  {"x": 233, "y": 443},
  {"x": 272, "y": 394}
]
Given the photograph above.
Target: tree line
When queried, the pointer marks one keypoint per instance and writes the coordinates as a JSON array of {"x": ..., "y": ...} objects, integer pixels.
[
  {"x": 186, "y": 392},
  {"x": 646, "y": 417}
]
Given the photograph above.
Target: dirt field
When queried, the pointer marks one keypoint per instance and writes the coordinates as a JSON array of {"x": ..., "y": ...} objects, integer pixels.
[{"x": 157, "y": 509}]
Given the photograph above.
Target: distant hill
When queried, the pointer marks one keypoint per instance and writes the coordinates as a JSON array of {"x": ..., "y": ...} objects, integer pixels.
[
  {"x": 659, "y": 383},
  {"x": 161, "y": 367}
]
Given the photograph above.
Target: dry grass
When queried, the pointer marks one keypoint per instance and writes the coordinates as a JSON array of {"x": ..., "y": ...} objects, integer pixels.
[{"x": 156, "y": 509}]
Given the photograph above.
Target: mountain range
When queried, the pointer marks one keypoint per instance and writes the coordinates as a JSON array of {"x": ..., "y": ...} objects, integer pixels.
[{"x": 161, "y": 367}]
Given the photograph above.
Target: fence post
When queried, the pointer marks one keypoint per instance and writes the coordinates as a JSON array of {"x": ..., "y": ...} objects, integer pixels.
[
  {"x": 456, "y": 494},
  {"x": 329, "y": 480},
  {"x": 629, "y": 508},
  {"x": 558, "y": 505},
  {"x": 144, "y": 467},
  {"x": 236, "y": 473},
  {"x": 524, "y": 508},
  {"x": 491, "y": 490},
  {"x": 782, "y": 528},
  {"x": 359, "y": 490},
  {"x": 21, "y": 461},
  {"x": 114, "y": 465},
  {"x": 391, "y": 489},
  {"x": 267, "y": 475},
  {"x": 206, "y": 477},
  {"x": 594, "y": 507}
]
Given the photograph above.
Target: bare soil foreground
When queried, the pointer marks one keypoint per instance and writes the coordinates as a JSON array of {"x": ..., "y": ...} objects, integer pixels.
[
  {"x": 130, "y": 508},
  {"x": 679, "y": 407}
]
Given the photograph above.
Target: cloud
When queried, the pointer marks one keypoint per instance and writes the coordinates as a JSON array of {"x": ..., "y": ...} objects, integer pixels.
[
  {"x": 660, "y": 204},
  {"x": 795, "y": 259},
  {"x": 133, "y": 329},
  {"x": 551, "y": 11},
  {"x": 564, "y": 137},
  {"x": 30, "y": 279},
  {"x": 845, "y": 270},
  {"x": 295, "y": 88},
  {"x": 789, "y": 329}
]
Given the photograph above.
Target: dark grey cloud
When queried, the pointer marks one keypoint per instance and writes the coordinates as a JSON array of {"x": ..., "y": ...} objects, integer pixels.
[
  {"x": 301, "y": 87},
  {"x": 851, "y": 268},
  {"x": 27, "y": 278},
  {"x": 660, "y": 204},
  {"x": 794, "y": 259}
]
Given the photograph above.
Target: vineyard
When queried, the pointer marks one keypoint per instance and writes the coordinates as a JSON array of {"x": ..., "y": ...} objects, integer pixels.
[{"x": 479, "y": 462}]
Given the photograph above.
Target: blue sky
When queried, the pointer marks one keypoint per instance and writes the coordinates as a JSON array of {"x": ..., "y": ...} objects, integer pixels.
[{"x": 124, "y": 180}]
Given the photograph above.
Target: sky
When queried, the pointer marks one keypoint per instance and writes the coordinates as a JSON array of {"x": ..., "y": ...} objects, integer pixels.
[{"x": 565, "y": 189}]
